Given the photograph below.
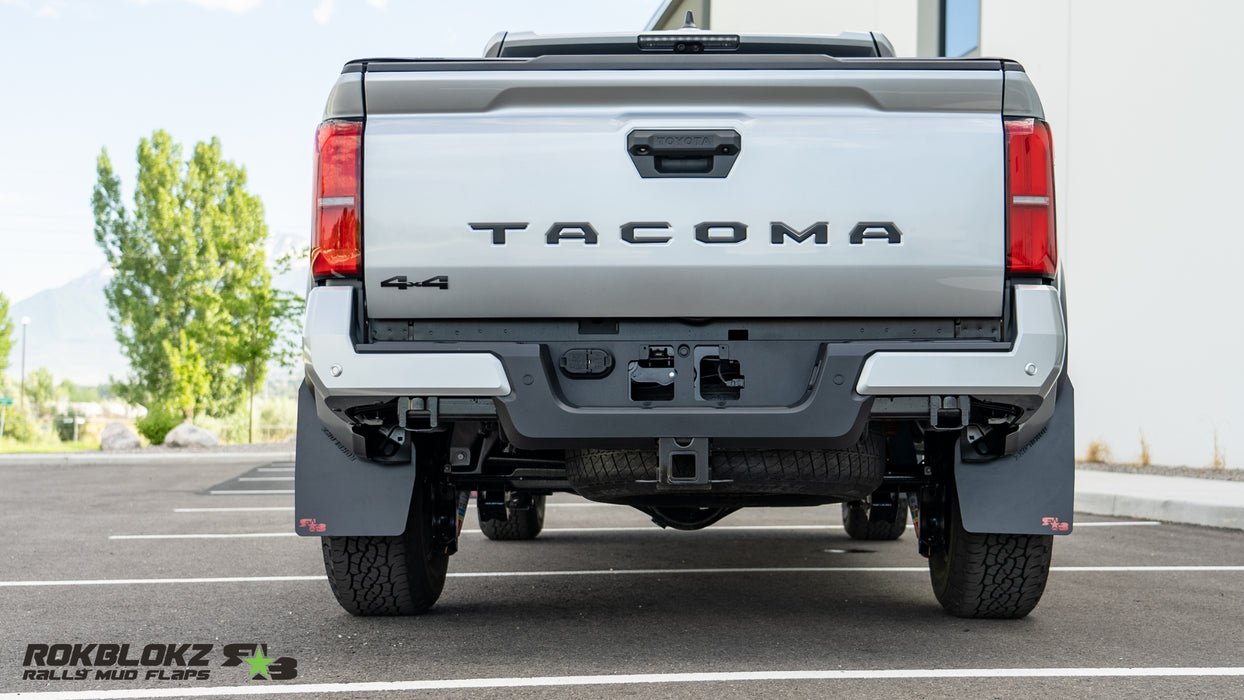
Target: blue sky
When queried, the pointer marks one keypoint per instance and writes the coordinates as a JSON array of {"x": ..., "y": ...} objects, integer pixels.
[{"x": 81, "y": 75}]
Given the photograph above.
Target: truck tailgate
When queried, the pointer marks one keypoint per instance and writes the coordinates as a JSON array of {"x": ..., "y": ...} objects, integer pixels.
[{"x": 911, "y": 161}]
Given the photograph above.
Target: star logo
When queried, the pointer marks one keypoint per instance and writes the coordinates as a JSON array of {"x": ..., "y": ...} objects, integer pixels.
[{"x": 259, "y": 665}]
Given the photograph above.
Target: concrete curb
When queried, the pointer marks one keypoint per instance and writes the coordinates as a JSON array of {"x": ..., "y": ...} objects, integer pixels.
[
  {"x": 118, "y": 458},
  {"x": 1173, "y": 499}
]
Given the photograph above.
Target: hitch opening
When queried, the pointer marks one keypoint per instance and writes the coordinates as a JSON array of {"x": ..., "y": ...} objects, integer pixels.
[{"x": 682, "y": 463}]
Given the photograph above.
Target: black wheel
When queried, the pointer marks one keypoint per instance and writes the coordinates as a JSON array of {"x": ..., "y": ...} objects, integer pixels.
[
  {"x": 616, "y": 475},
  {"x": 519, "y": 524},
  {"x": 399, "y": 575},
  {"x": 860, "y": 522},
  {"x": 989, "y": 575}
]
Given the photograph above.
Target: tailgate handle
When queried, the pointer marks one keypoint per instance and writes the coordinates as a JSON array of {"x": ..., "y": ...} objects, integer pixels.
[{"x": 684, "y": 152}]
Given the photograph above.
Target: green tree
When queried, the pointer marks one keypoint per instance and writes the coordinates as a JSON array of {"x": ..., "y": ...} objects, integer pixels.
[
  {"x": 190, "y": 377},
  {"x": 75, "y": 393},
  {"x": 256, "y": 348},
  {"x": 271, "y": 324},
  {"x": 189, "y": 259},
  {"x": 40, "y": 389},
  {"x": 6, "y": 332}
]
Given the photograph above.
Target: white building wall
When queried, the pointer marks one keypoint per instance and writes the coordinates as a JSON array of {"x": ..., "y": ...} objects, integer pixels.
[
  {"x": 1144, "y": 98},
  {"x": 896, "y": 19}
]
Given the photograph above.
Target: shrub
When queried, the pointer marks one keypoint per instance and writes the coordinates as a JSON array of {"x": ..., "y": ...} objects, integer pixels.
[
  {"x": 277, "y": 420},
  {"x": 158, "y": 422},
  {"x": 64, "y": 425},
  {"x": 1097, "y": 452},
  {"x": 19, "y": 425},
  {"x": 230, "y": 428}
]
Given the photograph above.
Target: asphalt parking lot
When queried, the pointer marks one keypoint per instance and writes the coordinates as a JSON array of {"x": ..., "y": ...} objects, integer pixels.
[{"x": 774, "y": 601}]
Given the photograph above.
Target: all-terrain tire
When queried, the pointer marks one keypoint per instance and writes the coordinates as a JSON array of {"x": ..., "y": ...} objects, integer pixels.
[
  {"x": 398, "y": 575},
  {"x": 852, "y": 472},
  {"x": 519, "y": 524},
  {"x": 855, "y": 520},
  {"x": 989, "y": 575}
]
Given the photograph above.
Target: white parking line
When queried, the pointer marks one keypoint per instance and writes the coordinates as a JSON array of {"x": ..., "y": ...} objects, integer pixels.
[
  {"x": 265, "y": 478},
  {"x": 204, "y": 536},
  {"x": 227, "y": 492},
  {"x": 637, "y": 679},
  {"x": 654, "y": 528},
  {"x": 231, "y": 510},
  {"x": 1156, "y": 567},
  {"x": 275, "y": 469},
  {"x": 621, "y": 572},
  {"x": 138, "y": 581},
  {"x": 815, "y": 570},
  {"x": 651, "y": 572},
  {"x": 1123, "y": 523},
  {"x": 554, "y": 530}
]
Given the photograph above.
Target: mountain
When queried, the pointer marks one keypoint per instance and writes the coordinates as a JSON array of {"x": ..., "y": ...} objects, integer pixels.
[
  {"x": 69, "y": 332},
  {"x": 71, "y": 335}
]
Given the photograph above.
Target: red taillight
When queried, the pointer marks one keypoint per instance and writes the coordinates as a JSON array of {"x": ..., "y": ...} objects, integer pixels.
[
  {"x": 1030, "y": 198},
  {"x": 336, "y": 249}
]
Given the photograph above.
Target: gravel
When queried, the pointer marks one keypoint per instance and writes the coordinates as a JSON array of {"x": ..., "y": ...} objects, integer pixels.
[{"x": 1194, "y": 472}]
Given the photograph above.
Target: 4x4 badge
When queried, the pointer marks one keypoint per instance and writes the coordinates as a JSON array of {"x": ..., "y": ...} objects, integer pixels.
[{"x": 400, "y": 282}]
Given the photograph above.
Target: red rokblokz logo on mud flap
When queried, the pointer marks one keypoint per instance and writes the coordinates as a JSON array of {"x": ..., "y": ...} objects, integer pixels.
[
  {"x": 1055, "y": 525},
  {"x": 310, "y": 525}
]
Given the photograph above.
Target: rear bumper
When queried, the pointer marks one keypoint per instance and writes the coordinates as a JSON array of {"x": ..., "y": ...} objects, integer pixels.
[
  {"x": 1028, "y": 368},
  {"x": 335, "y": 368},
  {"x": 820, "y": 394}
]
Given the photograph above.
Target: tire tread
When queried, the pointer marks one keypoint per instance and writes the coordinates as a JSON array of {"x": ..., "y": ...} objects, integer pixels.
[
  {"x": 373, "y": 575},
  {"x": 990, "y": 575},
  {"x": 858, "y": 526},
  {"x": 520, "y": 525}
]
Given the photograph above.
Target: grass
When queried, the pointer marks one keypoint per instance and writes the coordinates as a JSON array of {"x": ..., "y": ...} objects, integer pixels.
[
  {"x": 1098, "y": 452},
  {"x": 13, "y": 447},
  {"x": 1220, "y": 454}
]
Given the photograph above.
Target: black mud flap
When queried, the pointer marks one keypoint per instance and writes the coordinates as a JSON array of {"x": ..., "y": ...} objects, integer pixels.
[
  {"x": 337, "y": 493},
  {"x": 1031, "y": 492}
]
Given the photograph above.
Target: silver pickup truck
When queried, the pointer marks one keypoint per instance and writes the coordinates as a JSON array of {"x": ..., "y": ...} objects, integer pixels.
[{"x": 688, "y": 272}]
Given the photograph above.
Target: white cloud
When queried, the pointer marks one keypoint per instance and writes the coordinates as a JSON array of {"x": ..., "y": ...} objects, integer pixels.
[
  {"x": 378, "y": 4},
  {"x": 324, "y": 12},
  {"x": 47, "y": 10}
]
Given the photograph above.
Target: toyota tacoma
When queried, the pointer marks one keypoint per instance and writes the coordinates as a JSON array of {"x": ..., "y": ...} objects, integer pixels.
[{"x": 688, "y": 272}]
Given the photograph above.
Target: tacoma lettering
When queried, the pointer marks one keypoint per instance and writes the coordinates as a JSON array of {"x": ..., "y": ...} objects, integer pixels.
[{"x": 707, "y": 232}]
